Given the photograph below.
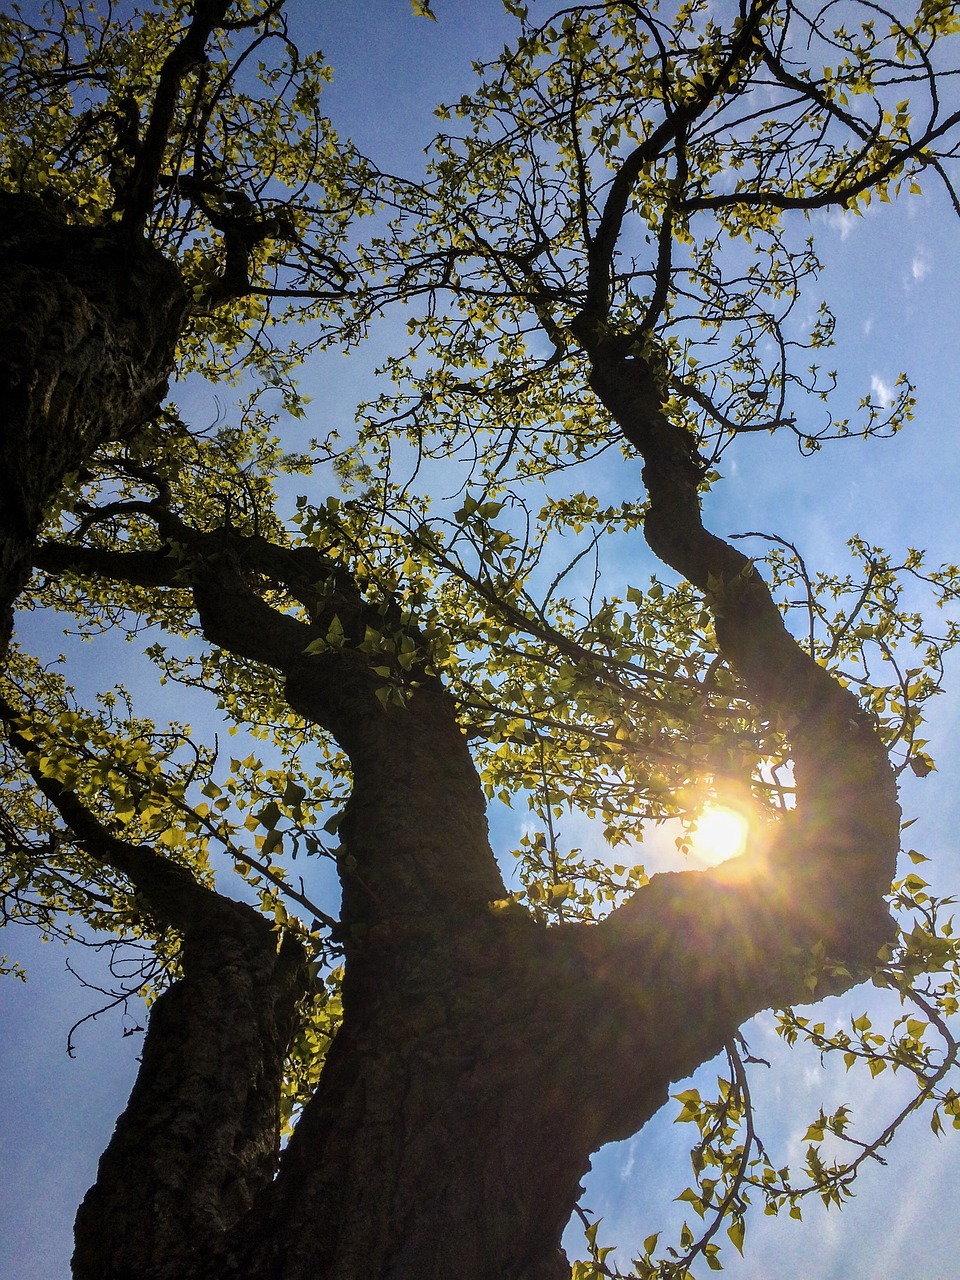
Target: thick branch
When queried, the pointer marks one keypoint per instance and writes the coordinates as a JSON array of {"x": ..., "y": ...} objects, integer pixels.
[
  {"x": 88, "y": 327},
  {"x": 200, "y": 1134},
  {"x": 743, "y": 938},
  {"x": 414, "y": 833}
]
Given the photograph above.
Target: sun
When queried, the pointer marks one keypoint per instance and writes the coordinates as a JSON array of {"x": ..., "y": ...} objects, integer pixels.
[{"x": 721, "y": 834}]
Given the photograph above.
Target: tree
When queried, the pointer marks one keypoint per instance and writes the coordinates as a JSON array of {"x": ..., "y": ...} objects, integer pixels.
[{"x": 602, "y": 259}]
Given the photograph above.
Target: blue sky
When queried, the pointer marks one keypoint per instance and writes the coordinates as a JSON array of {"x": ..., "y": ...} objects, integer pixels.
[{"x": 894, "y": 279}]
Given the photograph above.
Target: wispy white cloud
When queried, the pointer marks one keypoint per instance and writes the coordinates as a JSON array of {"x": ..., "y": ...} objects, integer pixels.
[
  {"x": 920, "y": 266},
  {"x": 881, "y": 391},
  {"x": 842, "y": 220}
]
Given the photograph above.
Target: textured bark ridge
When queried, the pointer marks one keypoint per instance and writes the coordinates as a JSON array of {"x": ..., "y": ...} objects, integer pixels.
[
  {"x": 199, "y": 1136},
  {"x": 88, "y": 325}
]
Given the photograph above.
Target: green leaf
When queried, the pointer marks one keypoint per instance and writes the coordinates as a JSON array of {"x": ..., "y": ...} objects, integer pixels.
[
  {"x": 269, "y": 815},
  {"x": 736, "y": 1232},
  {"x": 294, "y": 794},
  {"x": 272, "y": 841}
]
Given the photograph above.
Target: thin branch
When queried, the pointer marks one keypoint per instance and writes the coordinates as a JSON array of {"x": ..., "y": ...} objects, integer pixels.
[{"x": 141, "y": 189}]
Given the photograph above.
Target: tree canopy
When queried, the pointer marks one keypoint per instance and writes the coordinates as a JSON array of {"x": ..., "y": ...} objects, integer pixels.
[{"x": 385, "y": 630}]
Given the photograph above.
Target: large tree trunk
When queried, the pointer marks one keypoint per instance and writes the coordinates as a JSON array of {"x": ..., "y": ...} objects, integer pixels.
[
  {"x": 482, "y": 1057},
  {"x": 88, "y": 326},
  {"x": 442, "y": 1140}
]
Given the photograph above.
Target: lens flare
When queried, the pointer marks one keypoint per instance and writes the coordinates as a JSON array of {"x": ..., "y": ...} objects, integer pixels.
[{"x": 721, "y": 834}]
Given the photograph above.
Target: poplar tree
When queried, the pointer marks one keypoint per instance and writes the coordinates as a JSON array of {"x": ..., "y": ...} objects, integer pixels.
[{"x": 598, "y": 270}]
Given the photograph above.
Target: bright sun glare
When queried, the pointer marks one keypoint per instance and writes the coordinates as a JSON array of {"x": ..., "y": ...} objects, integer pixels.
[{"x": 721, "y": 834}]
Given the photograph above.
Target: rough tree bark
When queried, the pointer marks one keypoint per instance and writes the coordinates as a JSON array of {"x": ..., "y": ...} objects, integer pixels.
[{"x": 89, "y": 320}]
